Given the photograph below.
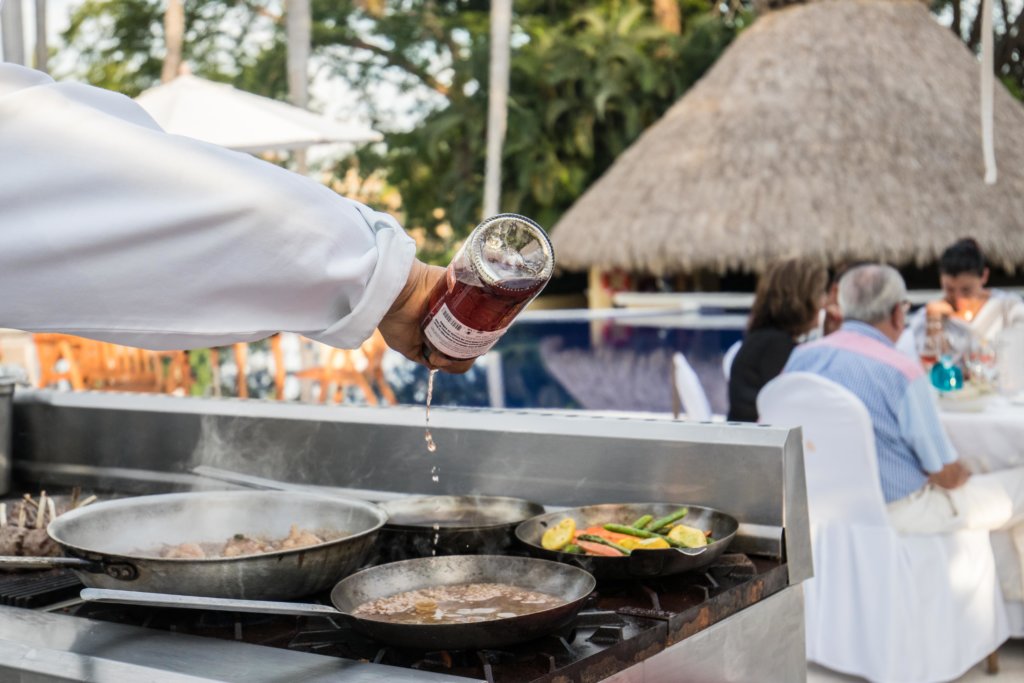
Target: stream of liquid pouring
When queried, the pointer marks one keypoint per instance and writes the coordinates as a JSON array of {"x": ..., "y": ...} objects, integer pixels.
[
  {"x": 428, "y": 437},
  {"x": 431, "y": 447}
]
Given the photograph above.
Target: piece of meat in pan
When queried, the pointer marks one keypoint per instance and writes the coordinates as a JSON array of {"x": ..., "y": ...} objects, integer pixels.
[
  {"x": 299, "y": 538},
  {"x": 240, "y": 544},
  {"x": 183, "y": 551}
]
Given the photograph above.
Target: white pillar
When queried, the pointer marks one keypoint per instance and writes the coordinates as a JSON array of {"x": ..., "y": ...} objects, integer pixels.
[
  {"x": 11, "y": 25},
  {"x": 497, "y": 103},
  {"x": 299, "y": 29}
]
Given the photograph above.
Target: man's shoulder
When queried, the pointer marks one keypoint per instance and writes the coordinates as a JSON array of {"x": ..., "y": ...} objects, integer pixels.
[{"x": 866, "y": 351}]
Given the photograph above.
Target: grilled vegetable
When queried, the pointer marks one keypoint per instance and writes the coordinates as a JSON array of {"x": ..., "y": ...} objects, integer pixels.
[
  {"x": 598, "y": 549},
  {"x": 573, "y": 548},
  {"x": 606, "y": 534},
  {"x": 640, "y": 533},
  {"x": 642, "y": 522},
  {"x": 560, "y": 535},
  {"x": 635, "y": 543},
  {"x": 688, "y": 536},
  {"x": 667, "y": 519},
  {"x": 590, "y": 538},
  {"x": 631, "y": 531}
]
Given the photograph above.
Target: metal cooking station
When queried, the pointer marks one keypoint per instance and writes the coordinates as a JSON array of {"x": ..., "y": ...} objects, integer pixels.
[{"x": 741, "y": 619}]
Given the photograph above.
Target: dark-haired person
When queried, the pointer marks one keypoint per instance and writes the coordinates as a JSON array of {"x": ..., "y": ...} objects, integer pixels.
[
  {"x": 974, "y": 311},
  {"x": 786, "y": 306}
]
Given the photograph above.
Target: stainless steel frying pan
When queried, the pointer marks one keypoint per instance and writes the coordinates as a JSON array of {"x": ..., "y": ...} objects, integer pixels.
[
  {"x": 571, "y": 584},
  {"x": 115, "y": 544},
  {"x": 451, "y": 525}
]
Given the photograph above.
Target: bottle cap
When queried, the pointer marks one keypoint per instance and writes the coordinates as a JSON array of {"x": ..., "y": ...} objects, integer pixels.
[{"x": 511, "y": 252}]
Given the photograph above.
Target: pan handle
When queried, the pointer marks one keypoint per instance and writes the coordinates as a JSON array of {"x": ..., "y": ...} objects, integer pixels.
[
  {"x": 21, "y": 562},
  {"x": 122, "y": 571},
  {"x": 218, "y": 604}
]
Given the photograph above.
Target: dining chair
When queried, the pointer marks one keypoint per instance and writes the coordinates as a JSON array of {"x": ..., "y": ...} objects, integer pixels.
[
  {"x": 688, "y": 390},
  {"x": 729, "y": 356},
  {"x": 888, "y": 607}
]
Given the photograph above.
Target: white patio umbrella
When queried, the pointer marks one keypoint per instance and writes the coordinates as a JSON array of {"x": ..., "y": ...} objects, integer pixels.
[{"x": 239, "y": 120}]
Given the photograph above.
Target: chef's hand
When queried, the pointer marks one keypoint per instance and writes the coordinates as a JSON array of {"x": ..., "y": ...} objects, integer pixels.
[
  {"x": 401, "y": 324},
  {"x": 953, "y": 475}
]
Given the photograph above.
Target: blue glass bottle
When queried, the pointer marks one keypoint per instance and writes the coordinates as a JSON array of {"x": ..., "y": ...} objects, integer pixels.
[{"x": 947, "y": 375}]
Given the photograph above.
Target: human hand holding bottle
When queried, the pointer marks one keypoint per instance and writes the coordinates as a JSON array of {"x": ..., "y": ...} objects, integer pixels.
[{"x": 401, "y": 325}]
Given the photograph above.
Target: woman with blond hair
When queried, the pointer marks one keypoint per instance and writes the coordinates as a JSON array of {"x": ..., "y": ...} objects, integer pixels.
[{"x": 786, "y": 307}]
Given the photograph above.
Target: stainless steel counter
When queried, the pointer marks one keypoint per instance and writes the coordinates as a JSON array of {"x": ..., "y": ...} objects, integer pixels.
[
  {"x": 39, "y": 646},
  {"x": 142, "y": 443}
]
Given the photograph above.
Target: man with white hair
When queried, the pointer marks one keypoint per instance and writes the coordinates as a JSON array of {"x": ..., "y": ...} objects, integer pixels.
[{"x": 926, "y": 487}]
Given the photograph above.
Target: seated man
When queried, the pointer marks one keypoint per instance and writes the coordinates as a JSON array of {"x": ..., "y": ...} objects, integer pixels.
[{"x": 926, "y": 487}]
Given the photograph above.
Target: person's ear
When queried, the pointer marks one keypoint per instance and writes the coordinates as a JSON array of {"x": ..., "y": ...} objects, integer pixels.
[{"x": 984, "y": 277}]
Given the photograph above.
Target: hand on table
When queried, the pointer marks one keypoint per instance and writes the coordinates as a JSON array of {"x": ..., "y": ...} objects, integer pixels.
[
  {"x": 401, "y": 324},
  {"x": 953, "y": 475}
]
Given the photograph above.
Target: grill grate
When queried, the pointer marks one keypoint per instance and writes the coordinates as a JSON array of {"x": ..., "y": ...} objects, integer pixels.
[{"x": 38, "y": 589}]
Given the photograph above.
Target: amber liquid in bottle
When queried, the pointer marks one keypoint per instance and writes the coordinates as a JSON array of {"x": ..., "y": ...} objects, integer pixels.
[{"x": 486, "y": 308}]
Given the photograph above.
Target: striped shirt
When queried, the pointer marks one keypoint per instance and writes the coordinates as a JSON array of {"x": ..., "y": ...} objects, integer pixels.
[{"x": 909, "y": 439}]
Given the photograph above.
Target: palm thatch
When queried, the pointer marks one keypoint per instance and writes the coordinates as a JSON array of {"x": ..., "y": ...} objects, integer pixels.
[{"x": 835, "y": 130}]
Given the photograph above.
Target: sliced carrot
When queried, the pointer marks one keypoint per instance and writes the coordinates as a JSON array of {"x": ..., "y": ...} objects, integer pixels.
[
  {"x": 598, "y": 549},
  {"x": 604, "y": 533}
]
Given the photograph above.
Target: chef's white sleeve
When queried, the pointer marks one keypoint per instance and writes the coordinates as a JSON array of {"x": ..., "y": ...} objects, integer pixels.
[{"x": 112, "y": 229}]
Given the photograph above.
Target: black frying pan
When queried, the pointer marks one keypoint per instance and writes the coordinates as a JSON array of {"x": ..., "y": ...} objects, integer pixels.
[
  {"x": 641, "y": 563},
  {"x": 571, "y": 584},
  {"x": 451, "y": 525}
]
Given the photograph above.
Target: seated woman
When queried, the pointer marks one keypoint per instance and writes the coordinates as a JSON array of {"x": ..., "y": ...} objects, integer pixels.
[
  {"x": 789, "y": 296},
  {"x": 973, "y": 313}
]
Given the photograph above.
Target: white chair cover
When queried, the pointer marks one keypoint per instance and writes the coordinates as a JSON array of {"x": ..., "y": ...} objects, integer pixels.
[
  {"x": 729, "y": 357},
  {"x": 691, "y": 391},
  {"x": 890, "y": 608}
]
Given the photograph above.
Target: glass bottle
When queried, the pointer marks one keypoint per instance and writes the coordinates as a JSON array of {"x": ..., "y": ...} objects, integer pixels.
[
  {"x": 946, "y": 374},
  {"x": 931, "y": 345},
  {"x": 504, "y": 263}
]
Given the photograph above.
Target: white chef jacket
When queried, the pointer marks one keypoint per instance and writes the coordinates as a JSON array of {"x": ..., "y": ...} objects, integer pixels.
[{"x": 112, "y": 229}]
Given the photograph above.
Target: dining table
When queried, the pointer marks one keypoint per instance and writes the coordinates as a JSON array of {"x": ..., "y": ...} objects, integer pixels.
[{"x": 987, "y": 431}]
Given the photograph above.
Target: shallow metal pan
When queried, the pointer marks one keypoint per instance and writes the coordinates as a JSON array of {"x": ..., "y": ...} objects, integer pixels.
[
  {"x": 641, "y": 563},
  {"x": 105, "y": 543},
  {"x": 451, "y": 525},
  {"x": 571, "y": 584}
]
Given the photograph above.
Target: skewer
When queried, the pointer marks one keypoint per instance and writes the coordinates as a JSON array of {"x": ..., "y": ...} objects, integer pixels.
[
  {"x": 3, "y": 514},
  {"x": 21, "y": 515},
  {"x": 90, "y": 499},
  {"x": 75, "y": 493},
  {"x": 41, "y": 510},
  {"x": 28, "y": 499},
  {"x": 52, "y": 507}
]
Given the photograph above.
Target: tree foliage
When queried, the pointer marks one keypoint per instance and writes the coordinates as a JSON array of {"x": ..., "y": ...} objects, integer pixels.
[
  {"x": 586, "y": 80},
  {"x": 964, "y": 19}
]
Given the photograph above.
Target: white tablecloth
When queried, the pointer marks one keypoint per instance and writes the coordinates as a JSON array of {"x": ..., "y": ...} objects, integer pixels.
[{"x": 989, "y": 439}]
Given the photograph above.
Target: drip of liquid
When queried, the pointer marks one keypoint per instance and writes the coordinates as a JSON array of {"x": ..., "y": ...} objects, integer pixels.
[
  {"x": 434, "y": 475},
  {"x": 437, "y": 537},
  {"x": 428, "y": 437}
]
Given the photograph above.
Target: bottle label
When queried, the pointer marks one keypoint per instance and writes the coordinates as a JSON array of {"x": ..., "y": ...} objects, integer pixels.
[{"x": 456, "y": 340}]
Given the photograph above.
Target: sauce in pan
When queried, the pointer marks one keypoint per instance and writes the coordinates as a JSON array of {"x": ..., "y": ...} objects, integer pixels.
[{"x": 457, "y": 604}]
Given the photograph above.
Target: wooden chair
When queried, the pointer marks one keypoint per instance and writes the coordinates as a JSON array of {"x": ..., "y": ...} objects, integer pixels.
[
  {"x": 89, "y": 364},
  {"x": 341, "y": 368}
]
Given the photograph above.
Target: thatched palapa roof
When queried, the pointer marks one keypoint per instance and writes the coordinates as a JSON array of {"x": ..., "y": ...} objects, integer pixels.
[{"x": 838, "y": 129}]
